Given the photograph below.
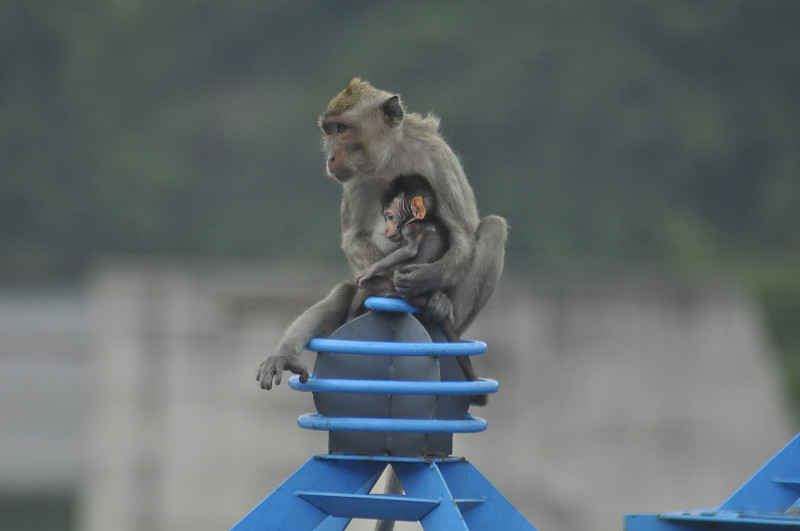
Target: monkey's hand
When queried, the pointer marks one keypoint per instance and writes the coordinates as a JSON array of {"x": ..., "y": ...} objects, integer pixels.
[
  {"x": 415, "y": 279},
  {"x": 363, "y": 275},
  {"x": 273, "y": 367}
]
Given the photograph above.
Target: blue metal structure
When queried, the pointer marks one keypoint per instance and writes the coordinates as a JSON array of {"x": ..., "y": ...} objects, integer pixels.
[
  {"x": 389, "y": 396},
  {"x": 768, "y": 501}
]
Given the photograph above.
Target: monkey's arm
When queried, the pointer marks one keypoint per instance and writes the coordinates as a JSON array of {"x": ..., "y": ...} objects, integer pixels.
[
  {"x": 444, "y": 273},
  {"x": 318, "y": 321},
  {"x": 399, "y": 256},
  {"x": 468, "y": 277}
]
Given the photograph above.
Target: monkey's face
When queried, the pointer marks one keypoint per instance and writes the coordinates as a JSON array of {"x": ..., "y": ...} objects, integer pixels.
[
  {"x": 360, "y": 129},
  {"x": 394, "y": 220},
  {"x": 343, "y": 148}
]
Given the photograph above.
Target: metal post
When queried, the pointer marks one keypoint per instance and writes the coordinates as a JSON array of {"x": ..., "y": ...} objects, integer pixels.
[{"x": 389, "y": 396}]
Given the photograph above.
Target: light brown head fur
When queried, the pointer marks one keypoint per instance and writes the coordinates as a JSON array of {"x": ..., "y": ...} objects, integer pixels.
[
  {"x": 358, "y": 93},
  {"x": 348, "y": 98}
]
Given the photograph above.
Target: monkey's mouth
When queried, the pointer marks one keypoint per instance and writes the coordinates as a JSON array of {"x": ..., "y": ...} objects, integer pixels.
[
  {"x": 395, "y": 238},
  {"x": 340, "y": 174}
]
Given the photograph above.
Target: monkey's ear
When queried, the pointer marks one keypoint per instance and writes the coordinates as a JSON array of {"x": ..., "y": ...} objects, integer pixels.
[
  {"x": 418, "y": 208},
  {"x": 392, "y": 111}
]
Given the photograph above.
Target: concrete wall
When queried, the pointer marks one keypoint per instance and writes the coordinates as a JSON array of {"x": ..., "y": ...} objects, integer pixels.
[
  {"x": 42, "y": 362},
  {"x": 617, "y": 395}
]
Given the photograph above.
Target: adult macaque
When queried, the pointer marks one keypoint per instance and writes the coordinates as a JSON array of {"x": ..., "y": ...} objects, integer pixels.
[
  {"x": 409, "y": 208},
  {"x": 368, "y": 140}
]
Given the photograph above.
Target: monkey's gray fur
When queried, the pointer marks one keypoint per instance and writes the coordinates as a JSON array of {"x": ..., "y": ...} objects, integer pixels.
[{"x": 369, "y": 139}]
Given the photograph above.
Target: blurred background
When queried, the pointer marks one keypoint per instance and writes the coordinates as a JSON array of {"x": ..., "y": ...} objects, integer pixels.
[{"x": 164, "y": 214}]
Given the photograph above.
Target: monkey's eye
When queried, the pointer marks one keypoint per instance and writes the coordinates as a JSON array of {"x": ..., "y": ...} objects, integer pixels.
[
  {"x": 341, "y": 128},
  {"x": 326, "y": 129},
  {"x": 388, "y": 217}
]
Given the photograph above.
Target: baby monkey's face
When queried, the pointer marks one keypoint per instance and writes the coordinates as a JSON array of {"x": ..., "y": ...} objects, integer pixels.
[{"x": 394, "y": 219}]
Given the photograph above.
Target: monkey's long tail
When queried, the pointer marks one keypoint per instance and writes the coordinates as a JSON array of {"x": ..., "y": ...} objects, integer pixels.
[{"x": 464, "y": 362}]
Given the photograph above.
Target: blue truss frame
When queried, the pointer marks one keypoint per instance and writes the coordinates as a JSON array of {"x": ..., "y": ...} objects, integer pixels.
[
  {"x": 329, "y": 490},
  {"x": 769, "y": 500}
]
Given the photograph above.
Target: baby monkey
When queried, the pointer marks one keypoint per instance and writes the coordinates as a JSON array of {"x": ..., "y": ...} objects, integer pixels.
[{"x": 409, "y": 208}]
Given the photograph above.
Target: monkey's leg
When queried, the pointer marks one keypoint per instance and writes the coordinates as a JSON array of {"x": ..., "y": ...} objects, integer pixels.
[
  {"x": 478, "y": 284},
  {"x": 357, "y": 307},
  {"x": 379, "y": 286},
  {"x": 320, "y": 320}
]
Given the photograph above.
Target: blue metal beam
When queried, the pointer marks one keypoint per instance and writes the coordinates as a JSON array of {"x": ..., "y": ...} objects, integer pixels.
[
  {"x": 390, "y": 348},
  {"x": 766, "y": 501},
  {"x": 315, "y": 421},
  {"x": 395, "y": 387},
  {"x": 283, "y": 510},
  {"x": 372, "y": 506},
  {"x": 441, "y": 494},
  {"x": 774, "y": 488}
]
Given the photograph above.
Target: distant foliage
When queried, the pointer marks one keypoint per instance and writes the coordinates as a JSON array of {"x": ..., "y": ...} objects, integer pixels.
[{"x": 606, "y": 132}]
